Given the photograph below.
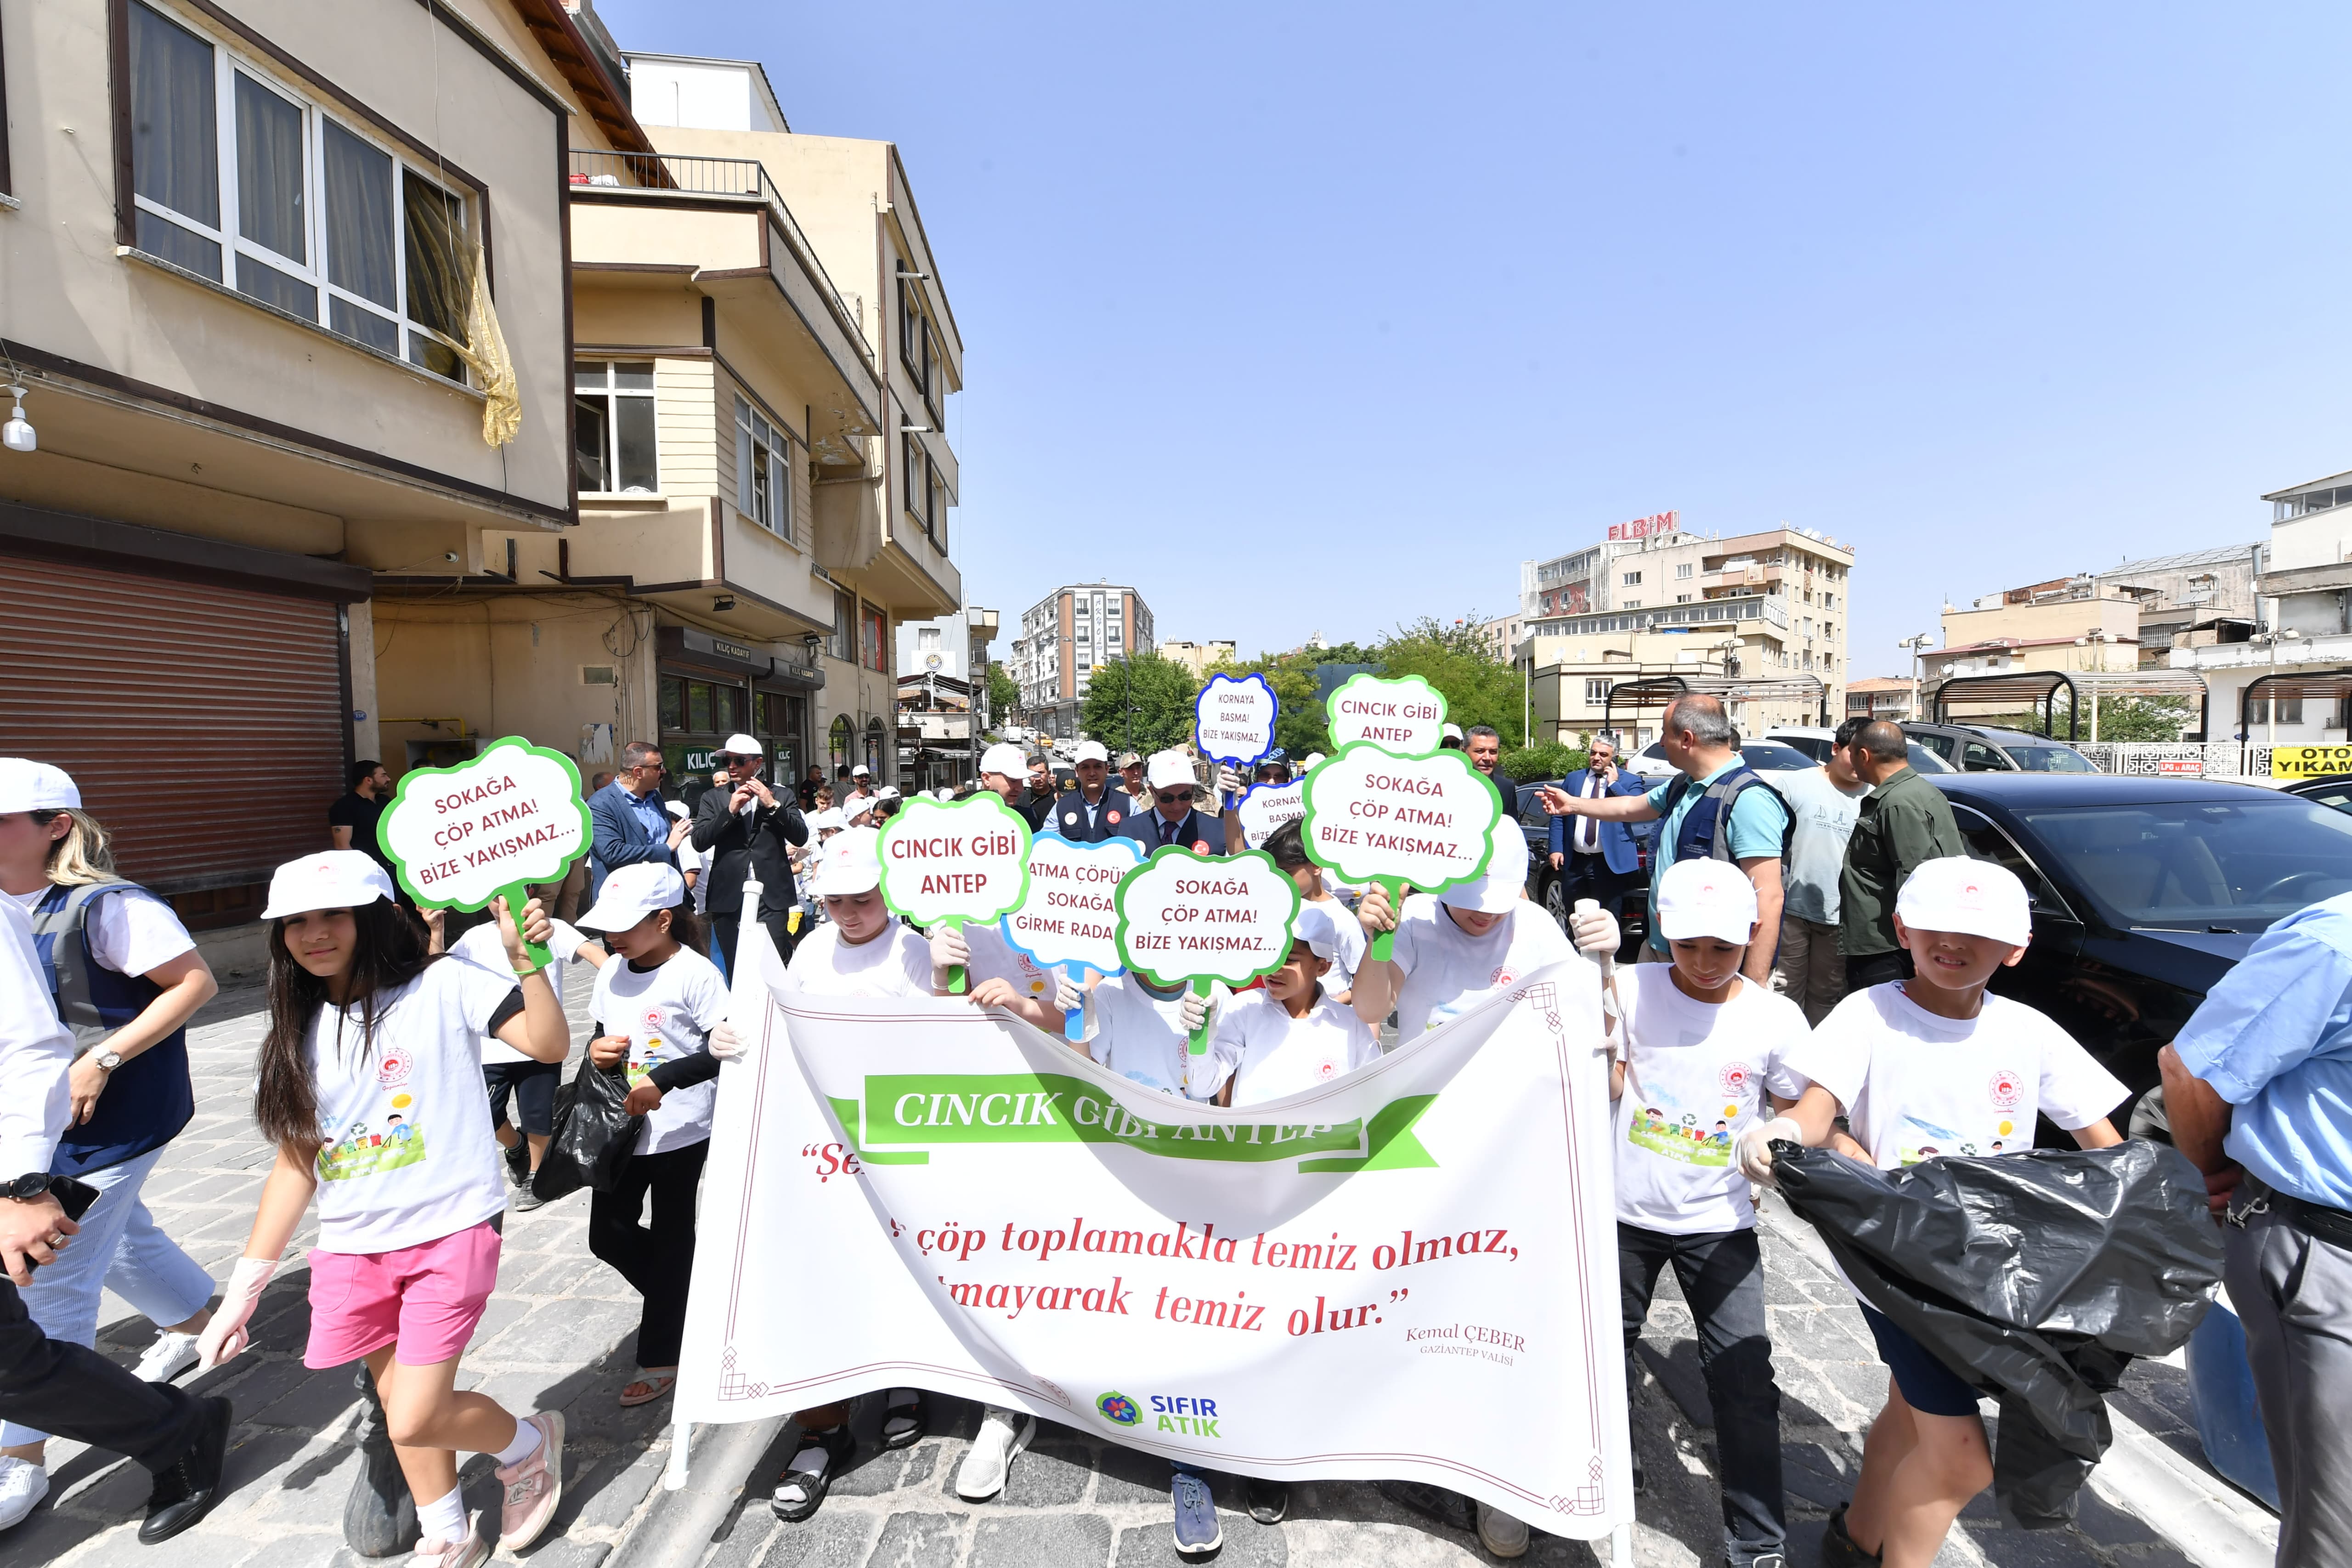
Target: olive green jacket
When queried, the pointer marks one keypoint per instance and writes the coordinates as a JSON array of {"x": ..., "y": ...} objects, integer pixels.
[{"x": 1903, "y": 821}]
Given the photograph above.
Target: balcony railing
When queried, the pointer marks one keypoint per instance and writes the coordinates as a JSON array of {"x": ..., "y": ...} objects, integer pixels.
[{"x": 677, "y": 175}]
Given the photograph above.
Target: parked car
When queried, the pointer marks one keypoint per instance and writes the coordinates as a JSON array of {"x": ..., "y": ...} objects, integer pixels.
[
  {"x": 1764, "y": 756},
  {"x": 1981, "y": 749},
  {"x": 1816, "y": 744},
  {"x": 2335, "y": 792},
  {"x": 2144, "y": 892}
]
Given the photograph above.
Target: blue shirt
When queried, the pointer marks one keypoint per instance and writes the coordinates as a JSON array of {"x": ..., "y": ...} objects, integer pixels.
[
  {"x": 651, "y": 812},
  {"x": 1758, "y": 820},
  {"x": 2275, "y": 1040}
]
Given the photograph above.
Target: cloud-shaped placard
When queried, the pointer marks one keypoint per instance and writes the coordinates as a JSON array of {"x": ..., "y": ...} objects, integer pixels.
[
  {"x": 462, "y": 836},
  {"x": 1266, "y": 808},
  {"x": 1233, "y": 719},
  {"x": 1425, "y": 822},
  {"x": 1405, "y": 716},
  {"x": 1070, "y": 914},
  {"x": 1188, "y": 918},
  {"x": 943, "y": 864}
]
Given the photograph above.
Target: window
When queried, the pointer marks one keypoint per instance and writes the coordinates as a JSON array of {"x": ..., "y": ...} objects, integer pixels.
[
  {"x": 914, "y": 335},
  {"x": 2290, "y": 710},
  {"x": 1596, "y": 690},
  {"x": 845, "y": 619},
  {"x": 917, "y": 487},
  {"x": 673, "y": 702},
  {"x": 1632, "y": 580},
  {"x": 873, "y": 639},
  {"x": 614, "y": 445},
  {"x": 1682, "y": 598},
  {"x": 288, "y": 206},
  {"x": 1683, "y": 570},
  {"x": 838, "y": 736},
  {"x": 763, "y": 486},
  {"x": 1632, "y": 604}
]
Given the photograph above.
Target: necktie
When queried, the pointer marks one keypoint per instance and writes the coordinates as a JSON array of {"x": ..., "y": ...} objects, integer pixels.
[
  {"x": 1587, "y": 829},
  {"x": 1166, "y": 831}
]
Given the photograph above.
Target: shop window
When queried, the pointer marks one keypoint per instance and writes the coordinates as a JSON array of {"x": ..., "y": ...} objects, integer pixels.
[
  {"x": 698, "y": 719},
  {"x": 614, "y": 445},
  {"x": 673, "y": 702},
  {"x": 730, "y": 709},
  {"x": 875, "y": 739}
]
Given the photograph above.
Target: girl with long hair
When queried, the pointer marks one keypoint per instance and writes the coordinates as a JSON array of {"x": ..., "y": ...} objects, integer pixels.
[{"x": 369, "y": 1083}]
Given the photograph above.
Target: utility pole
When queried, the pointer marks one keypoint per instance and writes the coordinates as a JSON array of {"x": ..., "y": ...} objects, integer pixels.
[{"x": 1915, "y": 642}]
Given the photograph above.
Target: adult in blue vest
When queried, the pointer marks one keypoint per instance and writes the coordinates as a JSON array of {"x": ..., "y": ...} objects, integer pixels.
[
  {"x": 1172, "y": 818},
  {"x": 1716, "y": 805},
  {"x": 1092, "y": 811},
  {"x": 124, "y": 977}
]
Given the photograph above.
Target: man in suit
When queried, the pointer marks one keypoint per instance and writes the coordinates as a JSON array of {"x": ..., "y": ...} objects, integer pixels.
[
  {"x": 630, "y": 823},
  {"x": 1172, "y": 819},
  {"x": 1486, "y": 748},
  {"x": 749, "y": 832},
  {"x": 1597, "y": 859},
  {"x": 1092, "y": 811}
]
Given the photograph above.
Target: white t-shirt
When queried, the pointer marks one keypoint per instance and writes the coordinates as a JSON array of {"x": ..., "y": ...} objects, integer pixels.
[
  {"x": 994, "y": 958},
  {"x": 1271, "y": 1053},
  {"x": 1447, "y": 970},
  {"x": 409, "y": 1157},
  {"x": 482, "y": 945},
  {"x": 895, "y": 964},
  {"x": 665, "y": 1013},
  {"x": 128, "y": 934},
  {"x": 1142, "y": 1037},
  {"x": 1825, "y": 815},
  {"x": 1331, "y": 916},
  {"x": 689, "y": 858},
  {"x": 1695, "y": 1077},
  {"x": 1916, "y": 1085}
]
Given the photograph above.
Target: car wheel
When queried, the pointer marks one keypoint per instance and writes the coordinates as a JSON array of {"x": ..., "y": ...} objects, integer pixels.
[{"x": 1555, "y": 900}]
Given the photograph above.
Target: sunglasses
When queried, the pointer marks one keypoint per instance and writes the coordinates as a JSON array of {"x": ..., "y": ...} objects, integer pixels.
[{"x": 1170, "y": 796}]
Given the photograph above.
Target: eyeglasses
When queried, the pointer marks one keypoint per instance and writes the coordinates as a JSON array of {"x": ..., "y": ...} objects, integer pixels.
[{"x": 1170, "y": 796}]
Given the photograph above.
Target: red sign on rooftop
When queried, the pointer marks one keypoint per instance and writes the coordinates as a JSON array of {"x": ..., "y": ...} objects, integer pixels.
[{"x": 1646, "y": 527}]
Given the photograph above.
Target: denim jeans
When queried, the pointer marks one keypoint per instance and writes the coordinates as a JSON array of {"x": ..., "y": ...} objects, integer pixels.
[
  {"x": 1722, "y": 1278},
  {"x": 119, "y": 1250}
]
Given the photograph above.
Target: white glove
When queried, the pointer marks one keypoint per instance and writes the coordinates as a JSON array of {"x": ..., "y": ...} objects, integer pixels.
[
  {"x": 1228, "y": 781},
  {"x": 1593, "y": 929},
  {"x": 948, "y": 951},
  {"x": 1067, "y": 993},
  {"x": 1756, "y": 1147},
  {"x": 225, "y": 1336},
  {"x": 1204, "y": 1011},
  {"x": 729, "y": 1044}
]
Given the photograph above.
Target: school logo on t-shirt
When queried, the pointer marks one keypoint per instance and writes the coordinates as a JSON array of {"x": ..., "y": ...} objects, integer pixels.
[
  {"x": 394, "y": 1070},
  {"x": 2007, "y": 1090},
  {"x": 1502, "y": 976},
  {"x": 1734, "y": 1078}
]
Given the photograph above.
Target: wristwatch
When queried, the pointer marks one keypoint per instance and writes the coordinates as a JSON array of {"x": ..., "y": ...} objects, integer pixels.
[
  {"x": 26, "y": 1188},
  {"x": 109, "y": 1060}
]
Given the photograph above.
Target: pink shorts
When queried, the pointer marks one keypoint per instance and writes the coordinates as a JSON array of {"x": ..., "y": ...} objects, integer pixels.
[{"x": 426, "y": 1300}]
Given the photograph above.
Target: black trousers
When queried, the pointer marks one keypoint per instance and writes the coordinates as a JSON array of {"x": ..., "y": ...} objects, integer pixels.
[
  {"x": 77, "y": 1394},
  {"x": 1876, "y": 969},
  {"x": 657, "y": 1260},
  {"x": 1588, "y": 876},
  {"x": 725, "y": 928},
  {"x": 1722, "y": 1278}
]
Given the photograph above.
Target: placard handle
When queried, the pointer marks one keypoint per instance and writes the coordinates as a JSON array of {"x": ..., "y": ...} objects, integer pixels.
[
  {"x": 1386, "y": 941},
  {"x": 516, "y": 897},
  {"x": 1199, "y": 1043},
  {"x": 955, "y": 970},
  {"x": 1074, "y": 1021}
]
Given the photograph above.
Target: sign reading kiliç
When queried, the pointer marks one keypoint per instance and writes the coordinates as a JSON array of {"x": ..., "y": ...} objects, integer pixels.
[
  {"x": 463, "y": 836},
  {"x": 1405, "y": 717},
  {"x": 1424, "y": 822},
  {"x": 1070, "y": 917},
  {"x": 944, "y": 864},
  {"x": 1189, "y": 918},
  {"x": 2310, "y": 761}
]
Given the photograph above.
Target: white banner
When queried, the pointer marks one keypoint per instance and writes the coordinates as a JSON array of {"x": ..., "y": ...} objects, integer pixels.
[{"x": 1410, "y": 1272}]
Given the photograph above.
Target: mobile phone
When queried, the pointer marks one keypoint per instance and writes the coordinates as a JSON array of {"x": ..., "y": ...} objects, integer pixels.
[{"x": 74, "y": 1197}]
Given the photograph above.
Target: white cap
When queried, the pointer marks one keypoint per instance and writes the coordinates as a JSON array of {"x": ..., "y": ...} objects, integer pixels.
[
  {"x": 674, "y": 807},
  {"x": 861, "y": 772},
  {"x": 631, "y": 893},
  {"x": 1506, "y": 875},
  {"x": 743, "y": 746},
  {"x": 1315, "y": 929},
  {"x": 1090, "y": 751},
  {"x": 1004, "y": 758},
  {"x": 1314, "y": 760},
  {"x": 1453, "y": 732},
  {"x": 28, "y": 786},
  {"x": 943, "y": 793},
  {"x": 1973, "y": 897},
  {"x": 1706, "y": 897},
  {"x": 860, "y": 806},
  {"x": 1167, "y": 770},
  {"x": 829, "y": 820},
  {"x": 888, "y": 792},
  {"x": 847, "y": 865},
  {"x": 330, "y": 879}
]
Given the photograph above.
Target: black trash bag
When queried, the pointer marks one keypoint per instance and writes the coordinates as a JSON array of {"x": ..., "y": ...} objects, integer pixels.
[
  {"x": 2034, "y": 1277},
  {"x": 593, "y": 1136}
]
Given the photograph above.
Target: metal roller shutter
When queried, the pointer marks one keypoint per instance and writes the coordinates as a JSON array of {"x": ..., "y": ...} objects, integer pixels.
[{"x": 203, "y": 723}]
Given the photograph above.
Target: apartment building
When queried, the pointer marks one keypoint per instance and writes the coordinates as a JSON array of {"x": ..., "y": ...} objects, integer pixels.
[
  {"x": 2067, "y": 623},
  {"x": 1065, "y": 637},
  {"x": 2287, "y": 676},
  {"x": 1875, "y": 697},
  {"x": 1199, "y": 657},
  {"x": 285, "y": 297},
  {"x": 2198, "y": 596},
  {"x": 943, "y": 708}
]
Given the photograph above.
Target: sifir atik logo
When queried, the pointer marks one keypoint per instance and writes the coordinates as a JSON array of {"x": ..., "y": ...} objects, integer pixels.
[
  {"x": 1186, "y": 1413},
  {"x": 1117, "y": 1408}
]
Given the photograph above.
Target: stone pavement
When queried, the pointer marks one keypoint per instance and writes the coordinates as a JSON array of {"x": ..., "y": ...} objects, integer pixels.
[{"x": 558, "y": 1336}]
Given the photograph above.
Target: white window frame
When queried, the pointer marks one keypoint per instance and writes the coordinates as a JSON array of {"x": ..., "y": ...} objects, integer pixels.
[
  {"x": 228, "y": 63},
  {"x": 754, "y": 434},
  {"x": 613, "y": 389}
]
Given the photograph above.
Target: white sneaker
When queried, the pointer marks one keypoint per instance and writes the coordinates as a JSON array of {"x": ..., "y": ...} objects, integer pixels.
[
  {"x": 1003, "y": 1434},
  {"x": 1501, "y": 1534},
  {"x": 167, "y": 1358},
  {"x": 22, "y": 1484}
]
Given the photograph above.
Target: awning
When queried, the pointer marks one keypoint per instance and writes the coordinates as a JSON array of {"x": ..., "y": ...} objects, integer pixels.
[
  {"x": 2327, "y": 685},
  {"x": 1659, "y": 691},
  {"x": 2031, "y": 689}
]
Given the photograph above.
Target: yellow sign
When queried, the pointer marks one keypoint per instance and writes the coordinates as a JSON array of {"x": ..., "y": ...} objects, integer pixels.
[{"x": 2309, "y": 761}]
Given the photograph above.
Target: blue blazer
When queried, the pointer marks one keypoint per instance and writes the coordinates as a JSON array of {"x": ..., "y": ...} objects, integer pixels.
[
  {"x": 619, "y": 837},
  {"x": 1619, "y": 840}
]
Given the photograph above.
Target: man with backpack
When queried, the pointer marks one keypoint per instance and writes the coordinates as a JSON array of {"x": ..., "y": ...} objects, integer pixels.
[
  {"x": 1905, "y": 821},
  {"x": 1715, "y": 805}
]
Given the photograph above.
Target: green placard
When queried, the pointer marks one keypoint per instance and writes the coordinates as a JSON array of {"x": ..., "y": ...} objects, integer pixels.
[
  {"x": 463, "y": 836},
  {"x": 944, "y": 864}
]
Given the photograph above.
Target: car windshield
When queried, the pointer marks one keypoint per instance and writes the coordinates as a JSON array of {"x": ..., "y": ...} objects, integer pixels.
[
  {"x": 1926, "y": 760},
  {"x": 2048, "y": 759},
  {"x": 2201, "y": 865},
  {"x": 1772, "y": 757}
]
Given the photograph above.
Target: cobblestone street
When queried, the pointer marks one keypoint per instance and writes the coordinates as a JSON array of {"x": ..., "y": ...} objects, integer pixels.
[{"x": 558, "y": 1336}]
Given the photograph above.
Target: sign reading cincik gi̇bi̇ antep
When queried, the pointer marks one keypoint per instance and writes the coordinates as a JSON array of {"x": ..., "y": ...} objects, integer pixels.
[
  {"x": 1423, "y": 822},
  {"x": 1406, "y": 716},
  {"x": 1188, "y": 918},
  {"x": 1069, "y": 916},
  {"x": 465, "y": 834},
  {"x": 946, "y": 864}
]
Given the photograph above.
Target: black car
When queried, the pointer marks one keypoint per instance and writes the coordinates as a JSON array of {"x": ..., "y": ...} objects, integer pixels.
[
  {"x": 1983, "y": 749},
  {"x": 2334, "y": 792},
  {"x": 2144, "y": 892}
]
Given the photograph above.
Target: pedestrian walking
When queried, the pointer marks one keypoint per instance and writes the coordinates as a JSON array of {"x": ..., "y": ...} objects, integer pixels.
[
  {"x": 1903, "y": 823},
  {"x": 631, "y": 826},
  {"x": 1038, "y": 804},
  {"x": 749, "y": 834},
  {"x": 368, "y": 1085},
  {"x": 655, "y": 1006},
  {"x": 1823, "y": 804},
  {"x": 862, "y": 794},
  {"x": 1598, "y": 859},
  {"x": 2254, "y": 1088},
  {"x": 48, "y": 1384},
  {"x": 352, "y": 820},
  {"x": 124, "y": 978},
  {"x": 1092, "y": 811},
  {"x": 1484, "y": 745},
  {"x": 1172, "y": 818},
  {"x": 1319, "y": 911}
]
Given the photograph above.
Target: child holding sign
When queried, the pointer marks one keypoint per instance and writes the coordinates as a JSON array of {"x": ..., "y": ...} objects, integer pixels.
[
  {"x": 369, "y": 1083},
  {"x": 655, "y": 1006},
  {"x": 1318, "y": 910}
]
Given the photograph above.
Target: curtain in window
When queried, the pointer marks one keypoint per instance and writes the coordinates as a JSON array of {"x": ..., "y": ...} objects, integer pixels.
[
  {"x": 448, "y": 290},
  {"x": 359, "y": 218},
  {"x": 173, "y": 133},
  {"x": 270, "y": 170}
]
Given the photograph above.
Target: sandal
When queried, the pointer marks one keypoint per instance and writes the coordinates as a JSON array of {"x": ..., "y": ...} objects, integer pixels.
[
  {"x": 800, "y": 1490},
  {"x": 904, "y": 1418},
  {"x": 656, "y": 1385}
]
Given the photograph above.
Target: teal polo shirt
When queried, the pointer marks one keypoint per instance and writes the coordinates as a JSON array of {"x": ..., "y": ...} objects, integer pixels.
[{"x": 1758, "y": 821}]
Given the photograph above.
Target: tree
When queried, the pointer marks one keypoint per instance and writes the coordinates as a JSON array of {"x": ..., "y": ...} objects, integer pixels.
[
  {"x": 1479, "y": 688},
  {"x": 1299, "y": 728},
  {"x": 2140, "y": 718},
  {"x": 1143, "y": 703},
  {"x": 1004, "y": 692}
]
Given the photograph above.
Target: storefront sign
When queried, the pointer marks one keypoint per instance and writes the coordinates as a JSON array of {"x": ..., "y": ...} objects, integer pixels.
[
  {"x": 2309, "y": 761},
  {"x": 1647, "y": 527}
]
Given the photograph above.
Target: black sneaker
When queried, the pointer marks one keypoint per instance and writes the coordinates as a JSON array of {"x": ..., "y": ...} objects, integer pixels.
[
  {"x": 519, "y": 1164},
  {"x": 379, "y": 1516},
  {"x": 1269, "y": 1501},
  {"x": 1838, "y": 1548},
  {"x": 184, "y": 1493}
]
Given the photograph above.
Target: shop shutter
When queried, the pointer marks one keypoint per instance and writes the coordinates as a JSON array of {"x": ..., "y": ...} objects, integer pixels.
[{"x": 203, "y": 723}]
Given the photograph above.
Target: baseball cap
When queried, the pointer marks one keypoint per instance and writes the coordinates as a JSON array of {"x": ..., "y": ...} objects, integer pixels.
[
  {"x": 1090, "y": 751},
  {"x": 1167, "y": 770},
  {"x": 1128, "y": 759},
  {"x": 1006, "y": 758},
  {"x": 1975, "y": 898},
  {"x": 674, "y": 807},
  {"x": 631, "y": 893},
  {"x": 859, "y": 807},
  {"x": 330, "y": 879},
  {"x": 888, "y": 792},
  {"x": 1705, "y": 897},
  {"x": 861, "y": 772},
  {"x": 1453, "y": 732},
  {"x": 1315, "y": 928},
  {"x": 1506, "y": 875},
  {"x": 742, "y": 746},
  {"x": 848, "y": 865},
  {"x": 28, "y": 786},
  {"x": 1314, "y": 760},
  {"x": 829, "y": 820}
]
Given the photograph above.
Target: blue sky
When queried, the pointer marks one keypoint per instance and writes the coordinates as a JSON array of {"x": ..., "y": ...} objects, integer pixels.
[{"x": 1304, "y": 318}]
